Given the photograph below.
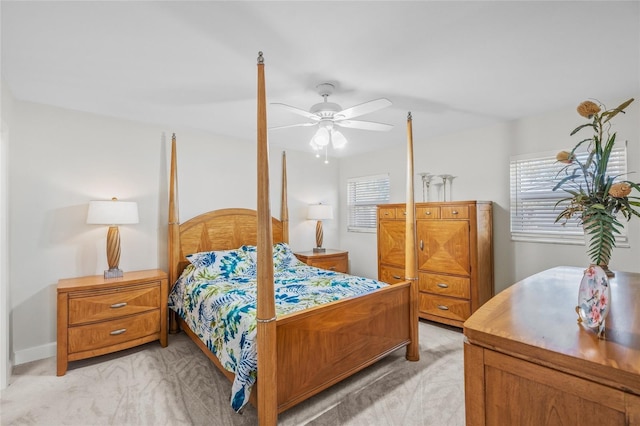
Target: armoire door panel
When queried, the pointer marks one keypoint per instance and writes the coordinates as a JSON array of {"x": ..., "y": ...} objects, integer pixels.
[
  {"x": 391, "y": 237},
  {"x": 443, "y": 246}
]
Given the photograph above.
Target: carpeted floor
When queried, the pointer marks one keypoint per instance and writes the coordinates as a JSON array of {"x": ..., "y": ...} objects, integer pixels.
[{"x": 178, "y": 385}]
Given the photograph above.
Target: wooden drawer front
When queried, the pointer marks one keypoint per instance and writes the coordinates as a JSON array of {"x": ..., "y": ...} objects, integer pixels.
[
  {"x": 108, "y": 333},
  {"x": 455, "y": 212},
  {"x": 401, "y": 213},
  {"x": 427, "y": 212},
  {"x": 337, "y": 264},
  {"x": 448, "y": 307},
  {"x": 391, "y": 274},
  {"x": 387, "y": 213},
  {"x": 445, "y": 285},
  {"x": 113, "y": 304}
]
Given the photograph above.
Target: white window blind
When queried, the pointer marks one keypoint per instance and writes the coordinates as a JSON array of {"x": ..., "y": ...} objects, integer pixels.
[
  {"x": 363, "y": 195},
  {"x": 533, "y": 201}
]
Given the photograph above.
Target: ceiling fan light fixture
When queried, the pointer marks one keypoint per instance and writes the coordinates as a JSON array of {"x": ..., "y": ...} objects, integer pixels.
[
  {"x": 321, "y": 138},
  {"x": 338, "y": 140}
]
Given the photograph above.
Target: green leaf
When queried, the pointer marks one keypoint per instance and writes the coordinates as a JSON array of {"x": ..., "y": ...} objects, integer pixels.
[{"x": 577, "y": 129}]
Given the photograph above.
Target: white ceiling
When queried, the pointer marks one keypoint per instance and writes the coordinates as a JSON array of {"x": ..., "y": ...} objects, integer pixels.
[{"x": 455, "y": 65}]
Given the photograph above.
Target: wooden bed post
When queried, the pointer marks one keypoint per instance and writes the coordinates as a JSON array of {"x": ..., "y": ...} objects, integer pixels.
[
  {"x": 266, "y": 311},
  {"x": 411, "y": 269},
  {"x": 284, "y": 209},
  {"x": 174, "y": 229}
]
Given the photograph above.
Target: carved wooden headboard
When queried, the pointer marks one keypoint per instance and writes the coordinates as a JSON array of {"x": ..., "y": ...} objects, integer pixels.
[{"x": 223, "y": 229}]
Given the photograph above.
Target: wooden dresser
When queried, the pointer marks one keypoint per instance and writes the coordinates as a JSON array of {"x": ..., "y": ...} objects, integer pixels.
[
  {"x": 97, "y": 316},
  {"x": 333, "y": 260},
  {"x": 454, "y": 256},
  {"x": 528, "y": 362}
]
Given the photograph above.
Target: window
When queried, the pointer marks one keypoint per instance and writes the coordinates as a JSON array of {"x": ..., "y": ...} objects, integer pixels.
[
  {"x": 363, "y": 195},
  {"x": 533, "y": 201}
]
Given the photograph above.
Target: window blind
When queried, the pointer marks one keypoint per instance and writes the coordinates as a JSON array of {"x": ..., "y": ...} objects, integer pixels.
[
  {"x": 533, "y": 201},
  {"x": 363, "y": 195}
]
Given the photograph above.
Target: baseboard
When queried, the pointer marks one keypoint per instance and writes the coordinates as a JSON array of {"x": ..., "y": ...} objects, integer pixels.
[{"x": 34, "y": 354}]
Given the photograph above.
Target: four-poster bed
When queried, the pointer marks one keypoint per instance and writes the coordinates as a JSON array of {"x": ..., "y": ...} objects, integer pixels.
[{"x": 300, "y": 353}]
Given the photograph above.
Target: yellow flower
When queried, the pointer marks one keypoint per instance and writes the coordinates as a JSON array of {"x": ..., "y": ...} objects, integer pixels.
[
  {"x": 620, "y": 190},
  {"x": 565, "y": 157},
  {"x": 588, "y": 109}
]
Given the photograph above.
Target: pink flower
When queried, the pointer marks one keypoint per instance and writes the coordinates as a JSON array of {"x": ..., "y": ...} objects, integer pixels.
[
  {"x": 603, "y": 299},
  {"x": 595, "y": 314},
  {"x": 590, "y": 272}
]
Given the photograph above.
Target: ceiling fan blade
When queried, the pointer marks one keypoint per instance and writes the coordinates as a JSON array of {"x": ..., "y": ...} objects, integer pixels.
[
  {"x": 365, "y": 108},
  {"x": 298, "y": 111},
  {"x": 364, "y": 125},
  {"x": 293, "y": 125}
]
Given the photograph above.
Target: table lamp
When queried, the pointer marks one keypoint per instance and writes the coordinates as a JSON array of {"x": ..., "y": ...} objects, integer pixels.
[
  {"x": 112, "y": 213},
  {"x": 319, "y": 212}
]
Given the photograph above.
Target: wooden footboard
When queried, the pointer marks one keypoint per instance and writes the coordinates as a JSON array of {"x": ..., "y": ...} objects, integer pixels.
[{"x": 321, "y": 346}]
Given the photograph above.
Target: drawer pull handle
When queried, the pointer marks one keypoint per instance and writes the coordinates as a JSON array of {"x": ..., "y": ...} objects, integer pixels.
[
  {"x": 397, "y": 277},
  {"x": 119, "y": 305},
  {"x": 443, "y": 285},
  {"x": 428, "y": 213},
  {"x": 443, "y": 308},
  {"x": 404, "y": 213},
  {"x": 421, "y": 245},
  {"x": 455, "y": 212},
  {"x": 117, "y": 332},
  {"x": 332, "y": 268},
  {"x": 386, "y": 213}
]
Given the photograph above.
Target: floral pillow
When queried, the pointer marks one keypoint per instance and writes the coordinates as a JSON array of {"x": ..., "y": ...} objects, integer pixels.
[
  {"x": 283, "y": 257},
  {"x": 221, "y": 263}
]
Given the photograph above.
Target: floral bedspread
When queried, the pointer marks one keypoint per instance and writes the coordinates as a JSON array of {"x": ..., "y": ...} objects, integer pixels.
[{"x": 216, "y": 296}]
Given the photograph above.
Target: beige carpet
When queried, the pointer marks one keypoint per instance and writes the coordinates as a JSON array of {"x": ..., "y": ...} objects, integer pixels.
[{"x": 178, "y": 385}]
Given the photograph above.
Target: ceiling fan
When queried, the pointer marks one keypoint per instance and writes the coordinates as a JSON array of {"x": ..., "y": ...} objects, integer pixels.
[{"x": 328, "y": 115}]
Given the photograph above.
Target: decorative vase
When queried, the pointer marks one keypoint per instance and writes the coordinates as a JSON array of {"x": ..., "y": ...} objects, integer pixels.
[{"x": 594, "y": 299}]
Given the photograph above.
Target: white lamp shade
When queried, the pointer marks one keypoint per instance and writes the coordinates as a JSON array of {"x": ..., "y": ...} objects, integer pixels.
[
  {"x": 112, "y": 212},
  {"x": 320, "y": 212},
  {"x": 321, "y": 138},
  {"x": 338, "y": 140}
]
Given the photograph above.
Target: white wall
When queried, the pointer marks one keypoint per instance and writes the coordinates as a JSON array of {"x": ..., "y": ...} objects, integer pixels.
[
  {"x": 480, "y": 160},
  {"x": 5, "y": 341},
  {"x": 61, "y": 159}
]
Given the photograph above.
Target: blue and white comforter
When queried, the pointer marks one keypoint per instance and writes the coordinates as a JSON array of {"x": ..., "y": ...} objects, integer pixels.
[{"x": 216, "y": 296}]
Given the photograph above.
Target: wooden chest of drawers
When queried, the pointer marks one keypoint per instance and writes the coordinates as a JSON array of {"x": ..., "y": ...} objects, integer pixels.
[
  {"x": 97, "y": 316},
  {"x": 333, "y": 260},
  {"x": 454, "y": 256}
]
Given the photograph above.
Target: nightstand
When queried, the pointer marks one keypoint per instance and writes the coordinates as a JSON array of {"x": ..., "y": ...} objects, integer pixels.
[
  {"x": 333, "y": 260},
  {"x": 97, "y": 316}
]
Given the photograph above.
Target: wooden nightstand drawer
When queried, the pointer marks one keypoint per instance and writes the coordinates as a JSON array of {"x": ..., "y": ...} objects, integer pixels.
[
  {"x": 114, "y": 332},
  {"x": 445, "y": 285},
  {"x": 116, "y": 303},
  {"x": 337, "y": 264},
  {"x": 448, "y": 307}
]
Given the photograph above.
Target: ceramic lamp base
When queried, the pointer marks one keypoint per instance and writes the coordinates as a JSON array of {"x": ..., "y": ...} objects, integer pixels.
[{"x": 113, "y": 273}]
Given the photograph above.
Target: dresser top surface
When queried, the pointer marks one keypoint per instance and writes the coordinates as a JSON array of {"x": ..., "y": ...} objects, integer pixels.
[{"x": 536, "y": 319}]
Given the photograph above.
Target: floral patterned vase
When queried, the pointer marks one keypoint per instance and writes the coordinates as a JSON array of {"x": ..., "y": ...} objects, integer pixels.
[{"x": 594, "y": 299}]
